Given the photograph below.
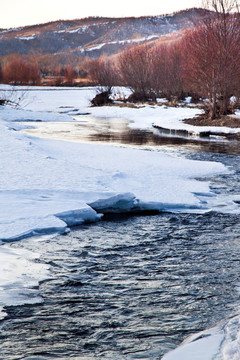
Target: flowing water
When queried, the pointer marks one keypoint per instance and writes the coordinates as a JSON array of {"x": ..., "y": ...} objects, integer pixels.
[{"x": 133, "y": 287}]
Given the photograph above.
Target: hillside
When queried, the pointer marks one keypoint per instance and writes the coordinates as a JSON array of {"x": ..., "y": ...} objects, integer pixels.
[{"x": 93, "y": 36}]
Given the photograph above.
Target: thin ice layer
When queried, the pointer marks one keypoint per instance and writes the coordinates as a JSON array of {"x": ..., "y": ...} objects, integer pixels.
[{"x": 20, "y": 276}]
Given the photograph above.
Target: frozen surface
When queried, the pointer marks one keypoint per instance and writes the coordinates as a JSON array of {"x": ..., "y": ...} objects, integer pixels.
[
  {"x": 219, "y": 343},
  {"x": 70, "y": 101},
  {"x": 20, "y": 277},
  {"x": 203, "y": 346},
  {"x": 48, "y": 185},
  {"x": 230, "y": 348},
  {"x": 53, "y": 182}
]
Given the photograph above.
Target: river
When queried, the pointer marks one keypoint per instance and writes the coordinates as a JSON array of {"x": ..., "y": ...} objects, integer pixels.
[{"x": 133, "y": 287}]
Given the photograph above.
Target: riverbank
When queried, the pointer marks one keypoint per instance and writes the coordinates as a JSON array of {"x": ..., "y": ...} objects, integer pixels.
[
  {"x": 48, "y": 186},
  {"x": 231, "y": 121}
]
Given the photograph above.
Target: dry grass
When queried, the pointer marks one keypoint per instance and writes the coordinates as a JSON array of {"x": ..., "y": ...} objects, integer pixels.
[
  {"x": 126, "y": 105},
  {"x": 228, "y": 121}
]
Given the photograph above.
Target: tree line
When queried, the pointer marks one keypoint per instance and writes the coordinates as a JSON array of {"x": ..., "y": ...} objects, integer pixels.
[
  {"x": 203, "y": 63},
  {"x": 39, "y": 69}
]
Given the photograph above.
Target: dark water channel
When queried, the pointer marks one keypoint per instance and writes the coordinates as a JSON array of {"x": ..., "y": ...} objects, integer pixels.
[
  {"x": 134, "y": 287},
  {"x": 116, "y": 131}
]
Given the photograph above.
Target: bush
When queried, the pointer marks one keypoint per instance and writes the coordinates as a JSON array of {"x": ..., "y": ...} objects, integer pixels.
[
  {"x": 136, "y": 97},
  {"x": 102, "y": 99}
]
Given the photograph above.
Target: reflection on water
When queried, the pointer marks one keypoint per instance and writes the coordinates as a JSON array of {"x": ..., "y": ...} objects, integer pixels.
[{"x": 117, "y": 131}]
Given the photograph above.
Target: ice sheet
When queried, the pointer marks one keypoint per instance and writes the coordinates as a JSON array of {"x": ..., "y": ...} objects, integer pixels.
[
  {"x": 42, "y": 178},
  {"x": 19, "y": 277}
]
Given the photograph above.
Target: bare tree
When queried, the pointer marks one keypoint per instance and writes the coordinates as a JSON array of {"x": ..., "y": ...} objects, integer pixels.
[
  {"x": 212, "y": 51},
  {"x": 221, "y": 7},
  {"x": 1, "y": 73},
  {"x": 135, "y": 67},
  {"x": 18, "y": 72},
  {"x": 166, "y": 72},
  {"x": 69, "y": 74},
  {"x": 14, "y": 97},
  {"x": 102, "y": 72}
]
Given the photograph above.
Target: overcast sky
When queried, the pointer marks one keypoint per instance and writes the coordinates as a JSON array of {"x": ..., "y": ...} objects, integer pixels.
[{"x": 14, "y": 13}]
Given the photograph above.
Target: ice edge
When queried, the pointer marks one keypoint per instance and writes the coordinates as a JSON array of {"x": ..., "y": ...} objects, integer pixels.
[{"x": 125, "y": 203}]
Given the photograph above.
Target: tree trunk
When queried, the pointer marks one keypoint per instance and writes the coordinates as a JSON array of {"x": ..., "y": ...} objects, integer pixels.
[
  {"x": 225, "y": 105},
  {"x": 213, "y": 106}
]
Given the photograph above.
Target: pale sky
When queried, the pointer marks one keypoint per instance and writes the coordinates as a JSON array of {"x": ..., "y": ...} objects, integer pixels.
[{"x": 14, "y": 13}]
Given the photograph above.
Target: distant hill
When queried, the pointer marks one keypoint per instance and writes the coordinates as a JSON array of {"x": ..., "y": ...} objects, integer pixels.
[{"x": 94, "y": 36}]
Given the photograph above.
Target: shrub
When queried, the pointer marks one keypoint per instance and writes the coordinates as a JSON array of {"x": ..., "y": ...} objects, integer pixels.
[{"x": 102, "y": 99}]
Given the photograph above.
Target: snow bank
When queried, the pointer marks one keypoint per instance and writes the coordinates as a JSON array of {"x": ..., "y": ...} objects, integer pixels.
[
  {"x": 221, "y": 342},
  {"x": 230, "y": 348},
  {"x": 169, "y": 119},
  {"x": 54, "y": 183},
  {"x": 203, "y": 346},
  {"x": 60, "y": 104},
  {"x": 143, "y": 117},
  {"x": 19, "y": 228},
  {"x": 34, "y": 212}
]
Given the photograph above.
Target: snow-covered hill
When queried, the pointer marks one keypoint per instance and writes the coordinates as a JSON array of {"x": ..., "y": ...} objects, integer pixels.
[{"x": 94, "y": 36}]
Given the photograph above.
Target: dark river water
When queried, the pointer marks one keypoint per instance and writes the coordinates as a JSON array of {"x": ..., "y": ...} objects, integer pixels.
[
  {"x": 116, "y": 131},
  {"x": 134, "y": 287}
]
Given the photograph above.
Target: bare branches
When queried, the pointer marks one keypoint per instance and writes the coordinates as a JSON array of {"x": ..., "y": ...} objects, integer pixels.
[
  {"x": 135, "y": 66},
  {"x": 222, "y": 7},
  {"x": 103, "y": 73},
  {"x": 18, "y": 72},
  {"x": 167, "y": 70},
  {"x": 212, "y": 65},
  {"x": 13, "y": 96}
]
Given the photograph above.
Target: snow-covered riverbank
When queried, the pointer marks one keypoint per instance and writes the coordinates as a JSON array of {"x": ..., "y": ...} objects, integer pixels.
[
  {"x": 221, "y": 343},
  {"x": 47, "y": 186}
]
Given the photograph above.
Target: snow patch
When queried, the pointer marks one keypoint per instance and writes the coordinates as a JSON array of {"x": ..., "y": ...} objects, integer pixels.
[
  {"x": 221, "y": 342},
  {"x": 121, "y": 42},
  {"x": 231, "y": 345},
  {"x": 30, "y": 37},
  {"x": 203, "y": 346}
]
